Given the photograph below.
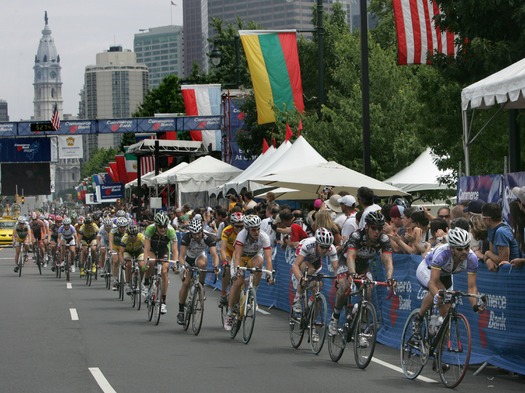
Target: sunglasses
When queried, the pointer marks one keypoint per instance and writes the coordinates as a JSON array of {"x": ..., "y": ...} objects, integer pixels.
[
  {"x": 162, "y": 226},
  {"x": 461, "y": 249},
  {"x": 324, "y": 247},
  {"x": 447, "y": 216},
  {"x": 376, "y": 228}
]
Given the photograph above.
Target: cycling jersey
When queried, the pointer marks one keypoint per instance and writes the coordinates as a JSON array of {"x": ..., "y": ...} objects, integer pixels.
[
  {"x": 134, "y": 246},
  {"x": 358, "y": 241},
  {"x": 228, "y": 236},
  {"x": 88, "y": 232},
  {"x": 54, "y": 232},
  {"x": 38, "y": 227},
  {"x": 117, "y": 237},
  {"x": 67, "y": 232},
  {"x": 441, "y": 258},
  {"x": 250, "y": 246},
  {"x": 159, "y": 243},
  {"x": 21, "y": 233},
  {"x": 104, "y": 236},
  {"x": 308, "y": 249},
  {"x": 196, "y": 248}
]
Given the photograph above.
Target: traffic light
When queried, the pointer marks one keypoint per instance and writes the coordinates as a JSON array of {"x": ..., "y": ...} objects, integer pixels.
[{"x": 23, "y": 199}]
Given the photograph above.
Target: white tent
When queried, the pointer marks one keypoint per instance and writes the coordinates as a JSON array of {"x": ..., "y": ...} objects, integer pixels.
[
  {"x": 144, "y": 179},
  {"x": 162, "y": 178},
  {"x": 312, "y": 179},
  {"x": 505, "y": 87},
  {"x": 421, "y": 175}
]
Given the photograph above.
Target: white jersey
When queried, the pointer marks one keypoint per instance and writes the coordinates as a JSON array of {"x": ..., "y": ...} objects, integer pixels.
[
  {"x": 250, "y": 246},
  {"x": 308, "y": 249}
]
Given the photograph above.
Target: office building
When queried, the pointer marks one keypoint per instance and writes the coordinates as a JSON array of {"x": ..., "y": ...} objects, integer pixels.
[
  {"x": 162, "y": 50},
  {"x": 4, "y": 113}
]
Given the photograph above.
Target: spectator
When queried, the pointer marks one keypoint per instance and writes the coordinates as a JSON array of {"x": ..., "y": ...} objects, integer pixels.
[
  {"x": 249, "y": 203},
  {"x": 270, "y": 198},
  {"x": 333, "y": 206},
  {"x": 517, "y": 221},
  {"x": 474, "y": 207},
  {"x": 318, "y": 203},
  {"x": 347, "y": 221},
  {"x": 293, "y": 231},
  {"x": 444, "y": 213},
  {"x": 365, "y": 198},
  {"x": 395, "y": 225},
  {"x": 457, "y": 212},
  {"x": 267, "y": 224},
  {"x": 478, "y": 229},
  {"x": 438, "y": 232},
  {"x": 323, "y": 219},
  {"x": 503, "y": 248}
]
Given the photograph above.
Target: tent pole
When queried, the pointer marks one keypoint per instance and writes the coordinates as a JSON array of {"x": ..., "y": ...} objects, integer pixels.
[{"x": 466, "y": 143}]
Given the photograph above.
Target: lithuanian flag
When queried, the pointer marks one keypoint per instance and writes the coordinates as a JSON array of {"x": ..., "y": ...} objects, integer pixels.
[{"x": 273, "y": 61}]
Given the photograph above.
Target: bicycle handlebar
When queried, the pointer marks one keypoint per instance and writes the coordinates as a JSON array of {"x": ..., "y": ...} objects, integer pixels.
[
  {"x": 256, "y": 270},
  {"x": 366, "y": 281}
]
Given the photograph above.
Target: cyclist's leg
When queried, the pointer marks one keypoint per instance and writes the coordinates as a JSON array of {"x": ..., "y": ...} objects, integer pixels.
[
  {"x": 102, "y": 256},
  {"x": 127, "y": 263},
  {"x": 202, "y": 263},
  {"x": 237, "y": 282},
  {"x": 226, "y": 277},
  {"x": 256, "y": 261}
]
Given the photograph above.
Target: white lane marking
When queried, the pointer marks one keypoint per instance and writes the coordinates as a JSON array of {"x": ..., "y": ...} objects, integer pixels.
[
  {"x": 68, "y": 285},
  {"x": 262, "y": 311},
  {"x": 399, "y": 369},
  {"x": 101, "y": 380},
  {"x": 74, "y": 314}
]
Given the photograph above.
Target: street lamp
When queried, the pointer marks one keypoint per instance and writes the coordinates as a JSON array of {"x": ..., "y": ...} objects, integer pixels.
[{"x": 216, "y": 55}]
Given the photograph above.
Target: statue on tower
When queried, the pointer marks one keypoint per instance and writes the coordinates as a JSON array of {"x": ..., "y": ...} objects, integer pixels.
[{"x": 45, "y": 17}]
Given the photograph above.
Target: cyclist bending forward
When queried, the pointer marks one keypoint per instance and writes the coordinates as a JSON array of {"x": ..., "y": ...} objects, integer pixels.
[
  {"x": 158, "y": 237},
  {"x": 251, "y": 246},
  {"x": 228, "y": 236},
  {"x": 21, "y": 236},
  {"x": 436, "y": 269}
]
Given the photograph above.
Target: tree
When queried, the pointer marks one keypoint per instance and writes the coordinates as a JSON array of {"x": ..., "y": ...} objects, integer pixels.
[
  {"x": 99, "y": 160},
  {"x": 166, "y": 98}
]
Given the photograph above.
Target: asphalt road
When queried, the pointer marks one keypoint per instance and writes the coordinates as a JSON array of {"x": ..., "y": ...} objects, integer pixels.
[{"x": 57, "y": 338}]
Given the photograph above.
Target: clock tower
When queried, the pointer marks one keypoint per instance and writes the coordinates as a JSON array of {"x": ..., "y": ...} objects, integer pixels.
[{"x": 48, "y": 82}]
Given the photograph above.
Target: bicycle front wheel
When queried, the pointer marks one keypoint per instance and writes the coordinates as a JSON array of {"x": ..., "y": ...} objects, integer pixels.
[
  {"x": 67, "y": 267},
  {"x": 152, "y": 291},
  {"x": 248, "y": 320},
  {"x": 414, "y": 351},
  {"x": 453, "y": 351},
  {"x": 158, "y": 302},
  {"x": 197, "y": 309},
  {"x": 134, "y": 292},
  {"x": 337, "y": 343},
  {"x": 296, "y": 326},
  {"x": 365, "y": 334},
  {"x": 20, "y": 263},
  {"x": 318, "y": 315},
  {"x": 39, "y": 260}
]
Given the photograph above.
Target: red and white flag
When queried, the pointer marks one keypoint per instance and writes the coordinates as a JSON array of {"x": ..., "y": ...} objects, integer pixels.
[
  {"x": 418, "y": 37},
  {"x": 147, "y": 164},
  {"x": 55, "y": 118},
  {"x": 203, "y": 100}
]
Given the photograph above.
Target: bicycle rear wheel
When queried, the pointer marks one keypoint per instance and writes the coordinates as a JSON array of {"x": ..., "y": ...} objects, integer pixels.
[
  {"x": 134, "y": 285},
  {"x": 453, "y": 351},
  {"x": 365, "y": 334},
  {"x": 121, "y": 283},
  {"x": 296, "y": 326},
  {"x": 248, "y": 320},
  {"x": 38, "y": 259},
  {"x": 197, "y": 310},
  {"x": 317, "y": 331},
  {"x": 414, "y": 352},
  {"x": 150, "y": 299},
  {"x": 188, "y": 307},
  {"x": 158, "y": 301}
]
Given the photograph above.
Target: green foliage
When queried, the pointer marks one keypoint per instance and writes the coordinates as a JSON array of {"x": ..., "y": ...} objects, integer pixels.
[
  {"x": 99, "y": 160},
  {"x": 166, "y": 98}
]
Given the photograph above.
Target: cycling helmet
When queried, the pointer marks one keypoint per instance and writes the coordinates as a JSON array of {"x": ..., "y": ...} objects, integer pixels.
[
  {"x": 252, "y": 221},
  {"x": 375, "y": 218},
  {"x": 58, "y": 219},
  {"x": 80, "y": 219},
  {"x": 133, "y": 230},
  {"x": 67, "y": 221},
  {"x": 236, "y": 218},
  {"x": 161, "y": 219},
  {"x": 74, "y": 215},
  {"x": 107, "y": 222},
  {"x": 51, "y": 217},
  {"x": 401, "y": 202},
  {"x": 88, "y": 220},
  {"x": 122, "y": 222},
  {"x": 195, "y": 226},
  {"x": 458, "y": 237},
  {"x": 120, "y": 213},
  {"x": 21, "y": 220},
  {"x": 324, "y": 237},
  {"x": 34, "y": 216}
]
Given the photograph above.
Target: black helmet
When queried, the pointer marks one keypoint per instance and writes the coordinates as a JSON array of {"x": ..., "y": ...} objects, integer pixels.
[{"x": 375, "y": 218}]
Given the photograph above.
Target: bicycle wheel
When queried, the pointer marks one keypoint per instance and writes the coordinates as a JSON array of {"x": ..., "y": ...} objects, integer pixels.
[
  {"x": 20, "y": 263},
  {"x": 224, "y": 310},
  {"x": 121, "y": 283},
  {"x": 337, "y": 343},
  {"x": 158, "y": 302},
  {"x": 58, "y": 268},
  {"x": 414, "y": 351},
  {"x": 248, "y": 320},
  {"x": 38, "y": 260},
  {"x": 296, "y": 326},
  {"x": 365, "y": 334},
  {"x": 453, "y": 351},
  {"x": 197, "y": 309},
  {"x": 107, "y": 270},
  {"x": 317, "y": 331},
  {"x": 134, "y": 285},
  {"x": 87, "y": 270},
  {"x": 237, "y": 321},
  {"x": 67, "y": 267},
  {"x": 139, "y": 291},
  {"x": 150, "y": 298}
]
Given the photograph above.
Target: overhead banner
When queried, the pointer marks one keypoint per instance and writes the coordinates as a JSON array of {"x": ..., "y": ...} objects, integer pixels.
[
  {"x": 70, "y": 147},
  {"x": 25, "y": 150}
]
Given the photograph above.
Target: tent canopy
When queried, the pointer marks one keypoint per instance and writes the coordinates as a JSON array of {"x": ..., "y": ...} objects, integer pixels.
[
  {"x": 312, "y": 179},
  {"x": 145, "y": 179},
  {"x": 162, "y": 178},
  {"x": 421, "y": 175}
]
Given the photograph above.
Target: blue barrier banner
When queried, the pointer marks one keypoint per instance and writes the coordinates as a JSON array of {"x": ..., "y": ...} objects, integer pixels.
[
  {"x": 198, "y": 123},
  {"x": 117, "y": 126},
  {"x": 487, "y": 188},
  {"x": 156, "y": 124},
  {"x": 8, "y": 129},
  {"x": 25, "y": 150},
  {"x": 510, "y": 180}
]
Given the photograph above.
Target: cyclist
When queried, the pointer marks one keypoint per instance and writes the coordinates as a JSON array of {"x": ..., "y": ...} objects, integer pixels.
[
  {"x": 437, "y": 267},
  {"x": 87, "y": 235},
  {"x": 229, "y": 234},
  {"x": 131, "y": 246},
  {"x": 251, "y": 247},
  {"x": 193, "y": 245},
  {"x": 115, "y": 239},
  {"x": 308, "y": 257},
  {"x": 67, "y": 236},
  {"x": 55, "y": 224},
  {"x": 38, "y": 229},
  {"x": 158, "y": 237},
  {"x": 362, "y": 246},
  {"x": 21, "y": 235},
  {"x": 103, "y": 240}
]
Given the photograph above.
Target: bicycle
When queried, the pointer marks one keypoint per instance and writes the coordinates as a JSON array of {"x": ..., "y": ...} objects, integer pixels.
[
  {"x": 107, "y": 274},
  {"x": 154, "y": 295},
  {"x": 90, "y": 267},
  {"x": 360, "y": 325},
  {"x": 221, "y": 305},
  {"x": 136, "y": 290},
  {"x": 194, "y": 306},
  {"x": 22, "y": 258},
  {"x": 39, "y": 259},
  {"x": 121, "y": 284},
  {"x": 244, "y": 312},
  {"x": 450, "y": 346},
  {"x": 312, "y": 316}
]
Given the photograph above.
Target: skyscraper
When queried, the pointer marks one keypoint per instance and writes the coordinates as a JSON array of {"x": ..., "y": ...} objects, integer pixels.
[
  {"x": 162, "y": 50},
  {"x": 4, "y": 113},
  {"x": 113, "y": 88}
]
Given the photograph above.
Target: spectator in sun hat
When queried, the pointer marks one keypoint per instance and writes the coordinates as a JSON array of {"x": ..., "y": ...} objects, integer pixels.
[
  {"x": 333, "y": 206},
  {"x": 519, "y": 193},
  {"x": 347, "y": 221}
]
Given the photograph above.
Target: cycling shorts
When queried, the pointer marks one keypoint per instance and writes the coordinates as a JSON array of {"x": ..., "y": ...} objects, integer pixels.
[
  {"x": 140, "y": 256},
  {"x": 91, "y": 241}
]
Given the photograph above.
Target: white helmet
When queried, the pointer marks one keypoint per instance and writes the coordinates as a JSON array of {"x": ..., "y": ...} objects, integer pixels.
[{"x": 458, "y": 237}]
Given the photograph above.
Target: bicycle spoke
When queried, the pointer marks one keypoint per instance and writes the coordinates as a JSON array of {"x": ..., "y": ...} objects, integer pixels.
[
  {"x": 318, "y": 316},
  {"x": 250, "y": 312},
  {"x": 365, "y": 334},
  {"x": 197, "y": 310},
  {"x": 296, "y": 326},
  {"x": 414, "y": 353}
]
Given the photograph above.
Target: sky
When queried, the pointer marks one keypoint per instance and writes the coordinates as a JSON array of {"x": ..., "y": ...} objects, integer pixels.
[{"x": 80, "y": 29}]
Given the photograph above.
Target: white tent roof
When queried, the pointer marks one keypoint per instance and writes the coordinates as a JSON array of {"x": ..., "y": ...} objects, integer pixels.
[
  {"x": 144, "y": 179},
  {"x": 202, "y": 174},
  {"x": 505, "y": 86},
  {"x": 312, "y": 179},
  {"x": 162, "y": 178},
  {"x": 421, "y": 175}
]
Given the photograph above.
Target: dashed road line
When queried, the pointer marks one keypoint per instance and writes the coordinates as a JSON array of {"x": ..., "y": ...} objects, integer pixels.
[
  {"x": 101, "y": 380},
  {"x": 68, "y": 285},
  {"x": 74, "y": 314}
]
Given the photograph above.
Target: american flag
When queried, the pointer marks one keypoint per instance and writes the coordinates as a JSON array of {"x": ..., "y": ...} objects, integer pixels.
[
  {"x": 147, "y": 164},
  {"x": 55, "y": 118}
]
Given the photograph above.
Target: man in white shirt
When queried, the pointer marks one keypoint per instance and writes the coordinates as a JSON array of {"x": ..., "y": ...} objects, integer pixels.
[
  {"x": 365, "y": 197},
  {"x": 347, "y": 221}
]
